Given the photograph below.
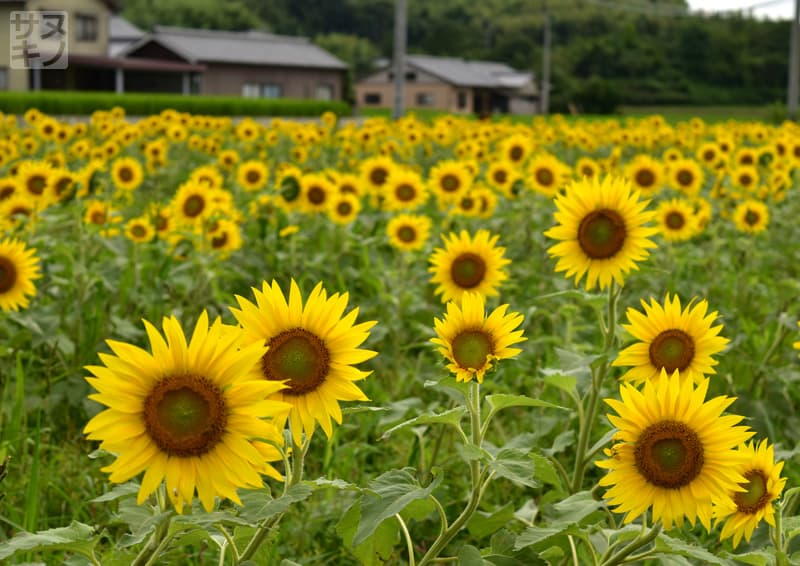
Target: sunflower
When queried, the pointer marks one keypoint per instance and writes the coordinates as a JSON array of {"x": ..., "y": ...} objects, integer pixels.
[
  {"x": 252, "y": 175},
  {"x": 745, "y": 156},
  {"x": 349, "y": 184},
  {"x": 449, "y": 180},
  {"x": 288, "y": 186},
  {"x": 34, "y": 180},
  {"x": 19, "y": 266},
  {"x": 225, "y": 237},
  {"x": 139, "y": 230},
  {"x": 126, "y": 173},
  {"x": 674, "y": 452},
  {"x": 686, "y": 176},
  {"x": 8, "y": 187},
  {"x": 192, "y": 203},
  {"x": 601, "y": 225},
  {"x": 546, "y": 174},
  {"x": 745, "y": 177},
  {"x": 315, "y": 193},
  {"x": 751, "y": 216},
  {"x": 228, "y": 159},
  {"x": 502, "y": 175},
  {"x": 312, "y": 350},
  {"x": 404, "y": 190},
  {"x": 344, "y": 208},
  {"x": 408, "y": 232},
  {"x": 710, "y": 155},
  {"x": 587, "y": 167},
  {"x": 645, "y": 174},
  {"x": 468, "y": 264},
  {"x": 763, "y": 485},
  {"x": 375, "y": 171},
  {"x": 676, "y": 220},
  {"x": 187, "y": 414},
  {"x": 671, "y": 339},
  {"x": 516, "y": 148},
  {"x": 472, "y": 341},
  {"x": 207, "y": 175}
]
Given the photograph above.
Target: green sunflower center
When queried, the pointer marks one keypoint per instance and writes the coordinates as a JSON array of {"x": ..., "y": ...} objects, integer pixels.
[
  {"x": 378, "y": 176},
  {"x": 685, "y": 178},
  {"x": 468, "y": 270},
  {"x": 751, "y": 217},
  {"x": 645, "y": 178},
  {"x": 672, "y": 350},
  {"x": 544, "y": 177},
  {"x": 125, "y": 174},
  {"x": 450, "y": 183},
  {"x": 756, "y": 496},
  {"x": 601, "y": 233},
  {"x": 316, "y": 195},
  {"x": 298, "y": 356},
  {"x": 36, "y": 184},
  {"x": 290, "y": 189},
  {"x": 405, "y": 192},
  {"x": 675, "y": 220},
  {"x": 138, "y": 231},
  {"x": 8, "y": 274},
  {"x": 252, "y": 177},
  {"x": 406, "y": 234},
  {"x": 669, "y": 454},
  {"x": 471, "y": 348},
  {"x": 193, "y": 206},
  {"x": 185, "y": 415}
]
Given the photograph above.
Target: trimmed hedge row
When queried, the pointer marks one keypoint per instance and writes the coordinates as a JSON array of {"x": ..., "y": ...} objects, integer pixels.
[{"x": 140, "y": 104}]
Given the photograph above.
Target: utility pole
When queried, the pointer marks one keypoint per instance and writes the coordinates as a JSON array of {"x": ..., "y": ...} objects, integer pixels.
[
  {"x": 400, "y": 9},
  {"x": 544, "y": 96},
  {"x": 794, "y": 64}
]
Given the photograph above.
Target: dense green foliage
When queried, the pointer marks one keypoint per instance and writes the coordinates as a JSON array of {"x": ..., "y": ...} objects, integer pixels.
[
  {"x": 65, "y": 102},
  {"x": 647, "y": 55}
]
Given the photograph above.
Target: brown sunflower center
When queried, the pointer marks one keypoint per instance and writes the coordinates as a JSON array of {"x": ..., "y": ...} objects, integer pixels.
[
  {"x": 344, "y": 208},
  {"x": 669, "y": 454},
  {"x": 745, "y": 180},
  {"x": 125, "y": 174},
  {"x": 345, "y": 188},
  {"x": 405, "y": 192},
  {"x": 672, "y": 350},
  {"x": 751, "y": 217},
  {"x": 756, "y": 495},
  {"x": 684, "y": 177},
  {"x": 406, "y": 234},
  {"x": 194, "y": 205},
  {"x": 8, "y": 274},
  {"x": 601, "y": 233},
  {"x": 544, "y": 177},
  {"x": 36, "y": 184},
  {"x": 252, "y": 177},
  {"x": 645, "y": 178},
  {"x": 709, "y": 155},
  {"x": 298, "y": 356},
  {"x": 515, "y": 154},
  {"x": 378, "y": 176},
  {"x": 98, "y": 217},
  {"x": 219, "y": 241},
  {"x": 6, "y": 191},
  {"x": 675, "y": 220},
  {"x": 62, "y": 186},
  {"x": 467, "y": 203},
  {"x": 468, "y": 270},
  {"x": 471, "y": 348},
  {"x": 316, "y": 195},
  {"x": 450, "y": 183},
  {"x": 138, "y": 231},
  {"x": 185, "y": 415},
  {"x": 587, "y": 171},
  {"x": 500, "y": 176}
]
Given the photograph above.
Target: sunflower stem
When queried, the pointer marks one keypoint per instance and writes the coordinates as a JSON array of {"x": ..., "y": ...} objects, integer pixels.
[
  {"x": 593, "y": 401},
  {"x": 757, "y": 385},
  {"x": 151, "y": 550},
  {"x": 476, "y": 475},
  {"x": 407, "y": 536},
  {"x": 643, "y": 539}
]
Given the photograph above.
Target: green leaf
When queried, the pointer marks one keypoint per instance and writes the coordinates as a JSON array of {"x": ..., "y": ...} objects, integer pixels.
[
  {"x": 559, "y": 380},
  {"x": 688, "y": 550},
  {"x": 542, "y": 538},
  {"x": 545, "y": 471},
  {"x": 259, "y": 504},
  {"x": 483, "y": 524},
  {"x": 392, "y": 492},
  {"x": 571, "y": 510},
  {"x": 77, "y": 537},
  {"x": 119, "y": 491},
  {"x": 470, "y": 556},
  {"x": 755, "y": 558},
  {"x": 515, "y": 465},
  {"x": 376, "y": 548},
  {"x": 450, "y": 417},
  {"x": 503, "y": 400}
]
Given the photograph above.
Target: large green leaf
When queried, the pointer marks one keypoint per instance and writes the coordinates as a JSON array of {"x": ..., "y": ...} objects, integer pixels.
[
  {"x": 377, "y": 548},
  {"x": 515, "y": 465},
  {"x": 77, "y": 537},
  {"x": 450, "y": 417},
  {"x": 669, "y": 545},
  {"x": 259, "y": 505},
  {"x": 504, "y": 400},
  {"x": 483, "y": 524}
]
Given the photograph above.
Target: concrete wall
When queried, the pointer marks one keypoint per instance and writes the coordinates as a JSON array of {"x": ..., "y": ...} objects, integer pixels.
[
  {"x": 17, "y": 79},
  {"x": 227, "y": 79},
  {"x": 443, "y": 96}
]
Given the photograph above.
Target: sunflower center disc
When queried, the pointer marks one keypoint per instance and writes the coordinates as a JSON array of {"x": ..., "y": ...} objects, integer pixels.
[
  {"x": 471, "y": 348},
  {"x": 675, "y": 220},
  {"x": 601, "y": 233},
  {"x": 138, "y": 231},
  {"x": 669, "y": 454},
  {"x": 516, "y": 153},
  {"x": 98, "y": 217},
  {"x": 8, "y": 274},
  {"x": 405, "y": 192},
  {"x": 290, "y": 189},
  {"x": 6, "y": 192},
  {"x": 751, "y": 218},
  {"x": 645, "y": 178},
  {"x": 544, "y": 177},
  {"x": 378, "y": 176},
  {"x": 450, "y": 183},
  {"x": 185, "y": 415},
  {"x": 298, "y": 356},
  {"x": 756, "y": 496},
  {"x": 36, "y": 184},
  {"x": 745, "y": 180},
  {"x": 672, "y": 350},
  {"x": 467, "y": 203},
  {"x": 406, "y": 234},
  {"x": 500, "y": 176},
  {"x": 253, "y": 177},
  {"x": 468, "y": 270},
  {"x": 193, "y": 206},
  {"x": 125, "y": 175},
  {"x": 219, "y": 241},
  {"x": 316, "y": 195},
  {"x": 685, "y": 178}
]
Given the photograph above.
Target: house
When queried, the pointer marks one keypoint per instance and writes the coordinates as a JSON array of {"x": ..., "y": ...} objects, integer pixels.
[
  {"x": 108, "y": 53},
  {"x": 453, "y": 85}
]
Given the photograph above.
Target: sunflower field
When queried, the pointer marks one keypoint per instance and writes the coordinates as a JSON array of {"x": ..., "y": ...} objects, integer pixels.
[{"x": 443, "y": 341}]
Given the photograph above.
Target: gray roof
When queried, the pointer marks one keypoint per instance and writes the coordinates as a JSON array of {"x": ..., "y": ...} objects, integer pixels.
[
  {"x": 122, "y": 29},
  {"x": 461, "y": 72},
  {"x": 246, "y": 48}
]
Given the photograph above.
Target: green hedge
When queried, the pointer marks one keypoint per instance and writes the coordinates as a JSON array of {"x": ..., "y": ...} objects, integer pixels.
[{"x": 140, "y": 104}]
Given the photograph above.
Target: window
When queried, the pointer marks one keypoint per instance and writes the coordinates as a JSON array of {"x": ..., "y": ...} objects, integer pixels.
[
  {"x": 424, "y": 99},
  {"x": 3, "y": 78},
  {"x": 372, "y": 98},
  {"x": 462, "y": 100},
  {"x": 86, "y": 27},
  {"x": 411, "y": 76},
  {"x": 250, "y": 90},
  {"x": 270, "y": 90},
  {"x": 324, "y": 92}
]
